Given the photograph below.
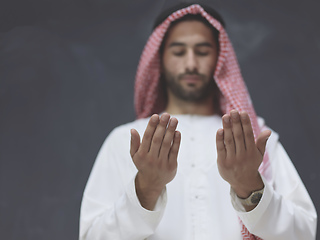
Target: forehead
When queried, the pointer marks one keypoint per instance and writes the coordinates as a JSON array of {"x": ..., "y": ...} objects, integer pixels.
[{"x": 190, "y": 32}]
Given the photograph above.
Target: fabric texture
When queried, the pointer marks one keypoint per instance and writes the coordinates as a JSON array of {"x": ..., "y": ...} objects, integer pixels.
[{"x": 148, "y": 97}]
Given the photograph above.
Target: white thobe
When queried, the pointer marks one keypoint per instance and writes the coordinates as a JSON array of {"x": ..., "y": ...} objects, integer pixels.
[{"x": 197, "y": 204}]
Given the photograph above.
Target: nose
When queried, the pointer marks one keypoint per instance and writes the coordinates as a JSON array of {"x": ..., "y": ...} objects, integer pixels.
[{"x": 191, "y": 62}]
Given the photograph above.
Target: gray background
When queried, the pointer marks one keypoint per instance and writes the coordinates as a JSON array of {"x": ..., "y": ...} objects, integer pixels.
[{"x": 66, "y": 80}]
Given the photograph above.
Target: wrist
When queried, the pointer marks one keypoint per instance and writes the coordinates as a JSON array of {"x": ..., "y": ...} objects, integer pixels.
[
  {"x": 148, "y": 186},
  {"x": 245, "y": 190},
  {"x": 146, "y": 193}
]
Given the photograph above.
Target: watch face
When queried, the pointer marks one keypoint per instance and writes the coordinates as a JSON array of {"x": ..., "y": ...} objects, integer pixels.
[{"x": 255, "y": 199}]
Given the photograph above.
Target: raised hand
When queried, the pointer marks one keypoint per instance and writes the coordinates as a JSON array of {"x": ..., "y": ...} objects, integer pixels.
[
  {"x": 239, "y": 156},
  {"x": 155, "y": 157}
]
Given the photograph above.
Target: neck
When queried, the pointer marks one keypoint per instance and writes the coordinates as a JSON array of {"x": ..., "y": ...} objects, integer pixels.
[{"x": 177, "y": 106}]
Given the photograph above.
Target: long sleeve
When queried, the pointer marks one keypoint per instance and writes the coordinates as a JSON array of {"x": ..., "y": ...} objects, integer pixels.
[
  {"x": 285, "y": 210},
  {"x": 197, "y": 206},
  {"x": 115, "y": 212}
]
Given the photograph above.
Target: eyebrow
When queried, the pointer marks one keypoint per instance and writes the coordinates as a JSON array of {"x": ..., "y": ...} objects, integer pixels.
[{"x": 201, "y": 44}]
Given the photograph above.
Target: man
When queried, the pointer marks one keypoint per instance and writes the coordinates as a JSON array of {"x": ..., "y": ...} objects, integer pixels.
[{"x": 151, "y": 189}]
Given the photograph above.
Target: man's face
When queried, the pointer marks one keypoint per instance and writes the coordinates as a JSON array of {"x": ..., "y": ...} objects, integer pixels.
[{"x": 189, "y": 58}]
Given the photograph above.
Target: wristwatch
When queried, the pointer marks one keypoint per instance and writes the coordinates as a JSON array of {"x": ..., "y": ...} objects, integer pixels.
[{"x": 253, "y": 199}]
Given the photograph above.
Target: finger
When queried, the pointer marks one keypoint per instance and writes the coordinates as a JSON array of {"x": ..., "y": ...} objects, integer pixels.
[
  {"x": 262, "y": 141},
  {"x": 173, "y": 154},
  {"x": 237, "y": 132},
  {"x": 247, "y": 130},
  {"x": 228, "y": 136},
  {"x": 168, "y": 138},
  {"x": 135, "y": 142},
  {"x": 159, "y": 134},
  {"x": 148, "y": 134},
  {"x": 221, "y": 150}
]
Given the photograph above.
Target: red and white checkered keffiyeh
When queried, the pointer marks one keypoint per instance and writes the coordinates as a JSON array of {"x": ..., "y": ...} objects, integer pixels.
[{"x": 149, "y": 99}]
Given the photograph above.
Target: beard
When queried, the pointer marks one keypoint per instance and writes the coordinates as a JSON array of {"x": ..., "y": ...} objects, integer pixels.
[{"x": 193, "y": 94}]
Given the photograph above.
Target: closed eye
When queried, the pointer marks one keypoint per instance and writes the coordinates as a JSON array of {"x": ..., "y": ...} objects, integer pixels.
[
  {"x": 202, "y": 53},
  {"x": 178, "y": 53}
]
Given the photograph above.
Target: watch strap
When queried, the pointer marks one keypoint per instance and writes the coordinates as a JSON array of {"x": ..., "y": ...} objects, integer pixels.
[{"x": 253, "y": 199}]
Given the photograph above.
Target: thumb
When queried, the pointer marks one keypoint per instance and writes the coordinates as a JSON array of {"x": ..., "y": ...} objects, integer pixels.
[
  {"x": 261, "y": 141},
  {"x": 135, "y": 142}
]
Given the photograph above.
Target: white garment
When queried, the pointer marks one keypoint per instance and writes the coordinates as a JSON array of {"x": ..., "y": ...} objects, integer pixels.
[{"x": 196, "y": 204}]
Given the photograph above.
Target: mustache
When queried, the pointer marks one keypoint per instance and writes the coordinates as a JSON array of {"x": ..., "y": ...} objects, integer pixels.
[{"x": 193, "y": 74}]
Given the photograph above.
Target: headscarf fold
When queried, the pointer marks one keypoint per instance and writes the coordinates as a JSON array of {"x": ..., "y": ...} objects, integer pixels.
[{"x": 149, "y": 98}]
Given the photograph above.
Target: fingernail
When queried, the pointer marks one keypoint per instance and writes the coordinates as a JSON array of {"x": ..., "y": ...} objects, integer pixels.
[
  {"x": 165, "y": 117},
  {"x": 131, "y": 131},
  {"x": 154, "y": 118},
  {"x": 173, "y": 122},
  {"x": 234, "y": 114},
  {"x": 220, "y": 132},
  {"x": 226, "y": 119},
  {"x": 177, "y": 134},
  {"x": 243, "y": 115}
]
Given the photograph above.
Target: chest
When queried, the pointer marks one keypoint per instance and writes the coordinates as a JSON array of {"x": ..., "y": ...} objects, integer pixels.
[{"x": 199, "y": 205}]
